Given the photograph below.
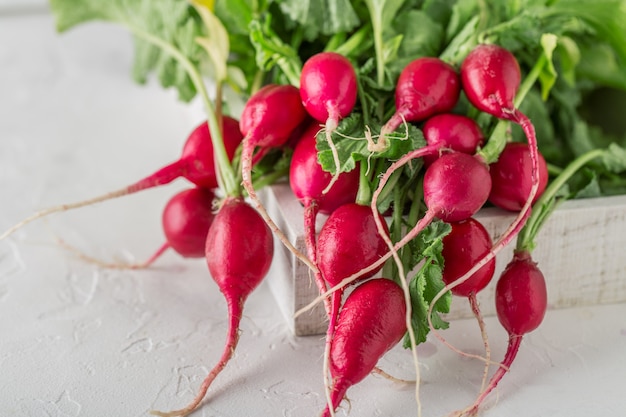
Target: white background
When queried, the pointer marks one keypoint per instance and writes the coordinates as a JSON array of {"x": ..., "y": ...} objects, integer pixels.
[{"x": 78, "y": 340}]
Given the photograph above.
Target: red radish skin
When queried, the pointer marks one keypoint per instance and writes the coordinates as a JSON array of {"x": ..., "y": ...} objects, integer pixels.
[
  {"x": 186, "y": 220},
  {"x": 371, "y": 321},
  {"x": 308, "y": 181},
  {"x": 239, "y": 251},
  {"x": 426, "y": 86},
  {"x": 196, "y": 164},
  {"x": 348, "y": 241},
  {"x": 456, "y": 186},
  {"x": 467, "y": 241},
  {"x": 452, "y": 131},
  {"x": 328, "y": 89},
  {"x": 511, "y": 177},
  {"x": 521, "y": 303},
  {"x": 269, "y": 119}
]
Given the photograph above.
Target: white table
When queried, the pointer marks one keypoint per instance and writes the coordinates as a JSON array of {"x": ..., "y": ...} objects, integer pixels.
[{"x": 78, "y": 340}]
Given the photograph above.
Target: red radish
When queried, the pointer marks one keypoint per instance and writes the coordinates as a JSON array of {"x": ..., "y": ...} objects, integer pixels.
[
  {"x": 426, "y": 86},
  {"x": 452, "y": 131},
  {"x": 521, "y": 303},
  {"x": 196, "y": 164},
  {"x": 186, "y": 220},
  {"x": 491, "y": 76},
  {"x": 467, "y": 242},
  {"x": 349, "y": 241},
  {"x": 511, "y": 177},
  {"x": 328, "y": 89},
  {"x": 456, "y": 186},
  {"x": 371, "y": 321},
  {"x": 308, "y": 181},
  {"x": 268, "y": 120},
  {"x": 239, "y": 251}
]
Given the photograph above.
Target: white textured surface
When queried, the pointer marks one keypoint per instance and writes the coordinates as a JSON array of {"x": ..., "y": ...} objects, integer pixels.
[{"x": 76, "y": 340}]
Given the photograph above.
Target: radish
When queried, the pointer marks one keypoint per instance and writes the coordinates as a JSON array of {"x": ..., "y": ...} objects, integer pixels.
[
  {"x": 268, "y": 120},
  {"x": 521, "y": 303},
  {"x": 348, "y": 241},
  {"x": 308, "y": 181},
  {"x": 239, "y": 251},
  {"x": 467, "y": 242},
  {"x": 491, "y": 76},
  {"x": 452, "y": 131},
  {"x": 196, "y": 164},
  {"x": 186, "y": 220},
  {"x": 370, "y": 323},
  {"x": 328, "y": 89},
  {"x": 426, "y": 86},
  {"x": 511, "y": 177}
]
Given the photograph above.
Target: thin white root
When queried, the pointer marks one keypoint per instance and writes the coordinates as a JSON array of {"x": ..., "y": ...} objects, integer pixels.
[
  {"x": 111, "y": 265},
  {"x": 63, "y": 207},
  {"x": 392, "y": 378}
]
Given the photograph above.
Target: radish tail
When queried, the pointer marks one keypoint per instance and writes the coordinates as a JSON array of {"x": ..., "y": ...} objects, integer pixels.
[
  {"x": 511, "y": 353},
  {"x": 473, "y": 301},
  {"x": 163, "y": 176},
  {"x": 332, "y": 402},
  {"x": 235, "y": 311},
  {"x": 112, "y": 265},
  {"x": 310, "y": 215},
  {"x": 246, "y": 173}
]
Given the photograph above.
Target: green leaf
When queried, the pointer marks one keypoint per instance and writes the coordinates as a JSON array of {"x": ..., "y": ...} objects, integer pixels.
[
  {"x": 321, "y": 16},
  {"x": 428, "y": 281},
  {"x": 569, "y": 58},
  {"x": 615, "y": 158},
  {"x": 169, "y": 22},
  {"x": 271, "y": 51},
  {"x": 421, "y": 36}
]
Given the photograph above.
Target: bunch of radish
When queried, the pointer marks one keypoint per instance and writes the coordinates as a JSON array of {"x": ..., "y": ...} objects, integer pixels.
[{"x": 230, "y": 227}]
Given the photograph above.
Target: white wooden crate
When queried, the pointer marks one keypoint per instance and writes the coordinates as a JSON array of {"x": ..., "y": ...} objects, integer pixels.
[{"x": 580, "y": 250}]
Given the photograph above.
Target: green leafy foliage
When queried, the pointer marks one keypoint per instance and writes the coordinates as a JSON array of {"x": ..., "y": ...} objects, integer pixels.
[{"x": 428, "y": 282}]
